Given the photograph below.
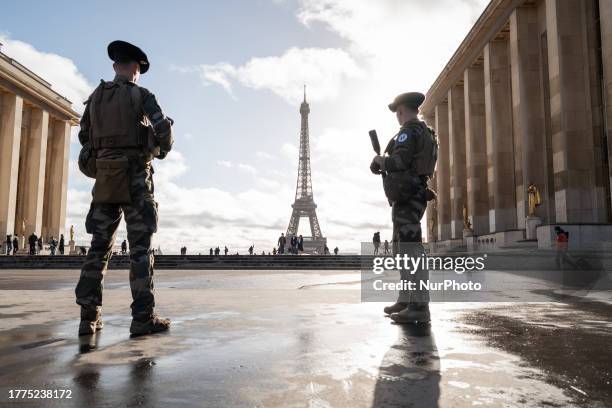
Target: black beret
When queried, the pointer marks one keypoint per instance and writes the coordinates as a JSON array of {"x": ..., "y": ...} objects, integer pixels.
[
  {"x": 410, "y": 99},
  {"x": 122, "y": 51}
]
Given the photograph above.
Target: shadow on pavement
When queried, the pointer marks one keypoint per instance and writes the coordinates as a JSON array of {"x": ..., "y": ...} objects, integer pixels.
[
  {"x": 568, "y": 340},
  {"x": 409, "y": 373}
]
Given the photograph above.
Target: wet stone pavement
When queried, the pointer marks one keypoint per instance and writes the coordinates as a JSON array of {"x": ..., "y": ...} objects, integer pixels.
[{"x": 285, "y": 339}]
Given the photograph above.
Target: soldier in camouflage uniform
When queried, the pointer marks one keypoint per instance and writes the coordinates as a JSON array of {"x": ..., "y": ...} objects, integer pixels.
[
  {"x": 122, "y": 130},
  {"x": 411, "y": 159}
]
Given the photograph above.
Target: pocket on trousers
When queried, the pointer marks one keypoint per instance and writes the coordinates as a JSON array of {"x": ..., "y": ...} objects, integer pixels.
[
  {"x": 150, "y": 214},
  {"x": 112, "y": 182}
]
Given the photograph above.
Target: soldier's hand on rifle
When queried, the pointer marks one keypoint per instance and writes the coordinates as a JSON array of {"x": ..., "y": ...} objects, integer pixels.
[{"x": 378, "y": 164}]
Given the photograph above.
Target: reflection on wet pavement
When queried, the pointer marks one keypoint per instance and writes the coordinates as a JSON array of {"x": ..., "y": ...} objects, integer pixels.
[{"x": 278, "y": 345}]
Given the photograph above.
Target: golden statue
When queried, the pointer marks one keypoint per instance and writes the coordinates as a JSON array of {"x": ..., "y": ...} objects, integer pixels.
[
  {"x": 72, "y": 233},
  {"x": 23, "y": 227},
  {"x": 534, "y": 199},
  {"x": 431, "y": 224},
  {"x": 466, "y": 220}
]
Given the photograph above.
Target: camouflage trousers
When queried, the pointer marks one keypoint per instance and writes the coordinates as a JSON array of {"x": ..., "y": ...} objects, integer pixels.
[
  {"x": 102, "y": 222},
  {"x": 407, "y": 240}
]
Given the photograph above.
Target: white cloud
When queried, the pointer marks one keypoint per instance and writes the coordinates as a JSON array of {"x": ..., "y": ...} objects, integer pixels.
[
  {"x": 402, "y": 43},
  {"x": 172, "y": 167},
  {"x": 247, "y": 168},
  {"x": 225, "y": 163},
  {"x": 323, "y": 69},
  {"x": 289, "y": 151},
  {"x": 264, "y": 155},
  {"x": 60, "y": 71},
  {"x": 219, "y": 74}
]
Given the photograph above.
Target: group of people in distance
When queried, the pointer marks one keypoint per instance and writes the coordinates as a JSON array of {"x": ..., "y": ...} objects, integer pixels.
[
  {"x": 376, "y": 241},
  {"x": 296, "y": 244},
  {"x": 35, "y": 245}
]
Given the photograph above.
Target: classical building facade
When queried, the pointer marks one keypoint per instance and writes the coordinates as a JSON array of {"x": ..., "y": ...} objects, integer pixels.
[
  {"x": 35, "y": 123},
  {"x": 525, "y": 101}
]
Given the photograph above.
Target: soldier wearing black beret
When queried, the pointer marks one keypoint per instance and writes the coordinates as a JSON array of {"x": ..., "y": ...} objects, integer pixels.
[
  {"x": 407, "y": 165},
  {"x": 123, "y": 129}
]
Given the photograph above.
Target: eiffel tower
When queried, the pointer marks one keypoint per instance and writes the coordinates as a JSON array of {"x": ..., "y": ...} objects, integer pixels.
[{"x": 304, "y": 205}]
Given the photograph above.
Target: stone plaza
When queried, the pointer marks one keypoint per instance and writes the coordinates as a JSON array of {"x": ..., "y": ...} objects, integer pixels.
[{"x": 299, "y": 338}]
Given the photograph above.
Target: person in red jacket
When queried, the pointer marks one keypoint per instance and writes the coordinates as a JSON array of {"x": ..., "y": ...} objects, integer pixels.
[{"x": 561, "y": 241}]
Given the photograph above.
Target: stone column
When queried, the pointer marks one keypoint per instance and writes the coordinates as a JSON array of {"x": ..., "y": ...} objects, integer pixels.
[
  {"x": 476, "y": 149},
  {"x": 57, "y": 178},
  {"x": 443, "y": 173},
  {"x": 10, "y": 136},
  {"x": 605, "y": 21},
  {"x": 500, "y": 154},
  {"x": 432, "y": 211},
  {"x": 456, "y": 137},
  {"x": 527, "y": 113},
  {"x": 33, "y": 180},
  {"x": 578, "y": 198}
]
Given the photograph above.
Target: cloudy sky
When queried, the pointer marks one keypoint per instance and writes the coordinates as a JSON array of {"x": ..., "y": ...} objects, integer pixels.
[{"x": 230, "y": 74}]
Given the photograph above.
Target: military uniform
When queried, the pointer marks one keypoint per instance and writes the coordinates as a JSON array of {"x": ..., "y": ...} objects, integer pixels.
[
  {"x": 412, "y": 154},
  {"x": 122, "y": 130},
  {"x": 406, "y": 212}
]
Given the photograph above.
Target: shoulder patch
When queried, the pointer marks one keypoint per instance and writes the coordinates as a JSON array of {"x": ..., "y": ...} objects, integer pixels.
[{"x": 402, "y": 137}]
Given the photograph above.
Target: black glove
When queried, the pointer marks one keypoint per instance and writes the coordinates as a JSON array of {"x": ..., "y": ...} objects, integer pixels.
[
  {"x": 430, "y": 195},
  {"x": 377, "y": 164},
  {"x": 87, "y": 161}
]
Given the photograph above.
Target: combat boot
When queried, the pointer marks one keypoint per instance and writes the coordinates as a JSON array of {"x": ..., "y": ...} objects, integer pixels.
[
  {"x": 90, "y": 320},
  {"x": 152, "y": 324},
  {"x": 395, "y": 308},
  {"x": 413, "y": 314}
]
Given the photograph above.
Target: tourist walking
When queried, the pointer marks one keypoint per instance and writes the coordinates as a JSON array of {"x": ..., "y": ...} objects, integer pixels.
[
  {"x": 282, "y": 241},
  {"x": 53, "y": 246},
  {"x": 293, "y": 243},
  {"x": 561, "y": 243},
  {"x": 376, "y": 242},
  {"x": 32, "y": 240}
]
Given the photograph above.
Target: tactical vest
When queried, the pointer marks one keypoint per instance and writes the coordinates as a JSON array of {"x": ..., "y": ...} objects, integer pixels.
[
  {"x": 116, "y": 115},
  {"x": 424, "y": 161},
  {"x": 411, "y": 184}
]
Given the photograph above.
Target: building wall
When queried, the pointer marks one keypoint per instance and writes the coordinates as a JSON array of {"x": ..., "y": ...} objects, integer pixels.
[
  {"x": 537, "y": 107},
  {"x": 35, "y": 125}
]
